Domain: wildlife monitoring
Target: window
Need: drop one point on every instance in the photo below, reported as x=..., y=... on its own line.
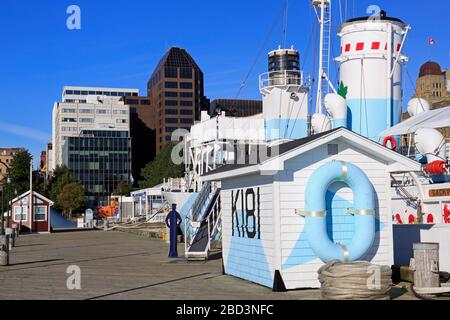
x=69, y=110
x=69, y=120
x=170, y=94
x=87, y=120
x=171, y=111
x=171, y=72
x=186, y=94
x=69, y=129
x=120, y=111
x=185, y=85
x=171, y=85
x=186, y=103
x=77, y=92
x=121, y=121
x=40, y=213
x=171, y=129
x=69, y=91
x=103, y=111
x=186, y=120
x=147, y=102
x=171, y=120
x=84, y=93
x=171, y=103
x=87, y=111
x=132, y=101
x=186, y=73
x=20, y=213
x=186, y=112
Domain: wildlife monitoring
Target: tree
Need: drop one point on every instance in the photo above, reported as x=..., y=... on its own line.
x=61, y=177
x=19, y=173
x=123, y=189
x=161, y=167
x=71, y=198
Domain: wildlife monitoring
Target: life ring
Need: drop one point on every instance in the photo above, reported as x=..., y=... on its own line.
x=392, y=141
x=316, y=212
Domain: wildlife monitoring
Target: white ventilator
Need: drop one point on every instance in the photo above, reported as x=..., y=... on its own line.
x=417, y=106
x=337, y=109
x=430, y=143
x=320, y=123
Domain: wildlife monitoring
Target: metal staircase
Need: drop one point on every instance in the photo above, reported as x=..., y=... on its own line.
x=203, y=224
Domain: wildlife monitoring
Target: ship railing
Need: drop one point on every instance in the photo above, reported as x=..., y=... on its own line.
x=281, y=78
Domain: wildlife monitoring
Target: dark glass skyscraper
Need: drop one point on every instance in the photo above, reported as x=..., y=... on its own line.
x=99, y=159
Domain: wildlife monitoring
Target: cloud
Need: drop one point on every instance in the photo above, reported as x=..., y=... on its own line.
x=24, y=132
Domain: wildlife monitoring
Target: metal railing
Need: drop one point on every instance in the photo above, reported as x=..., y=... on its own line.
x=281, y=79
x=199, y=203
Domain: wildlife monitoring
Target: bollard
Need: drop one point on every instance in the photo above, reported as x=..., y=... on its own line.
x=9, y=232
x=17, y=229
x=426, y=265
x=4, y=250
x=105, y=225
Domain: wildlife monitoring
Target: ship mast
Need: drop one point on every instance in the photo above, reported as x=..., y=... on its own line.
x=323, y=13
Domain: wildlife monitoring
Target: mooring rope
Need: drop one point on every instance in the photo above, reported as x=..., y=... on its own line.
x=359, y=280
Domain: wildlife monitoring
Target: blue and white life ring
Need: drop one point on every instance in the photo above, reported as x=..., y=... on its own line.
x=315, y=212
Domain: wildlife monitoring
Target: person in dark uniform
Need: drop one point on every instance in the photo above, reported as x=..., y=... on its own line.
x=173, y=220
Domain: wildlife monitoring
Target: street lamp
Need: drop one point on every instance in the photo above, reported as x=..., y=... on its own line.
x=2, y=230
x=8, y=196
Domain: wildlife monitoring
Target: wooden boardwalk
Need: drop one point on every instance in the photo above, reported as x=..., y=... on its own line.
x=116, y=265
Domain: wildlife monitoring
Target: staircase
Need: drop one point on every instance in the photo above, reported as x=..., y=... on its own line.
x=203, y=224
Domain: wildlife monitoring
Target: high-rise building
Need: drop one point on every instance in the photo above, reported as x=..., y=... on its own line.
x=235, y=107
x=87, y=108
x=6, y=157
x=99, y=159
x=143, y=133
x=176, y=93
x=91, y=135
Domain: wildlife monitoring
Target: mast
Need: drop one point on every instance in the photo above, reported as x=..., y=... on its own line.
x=324, y=19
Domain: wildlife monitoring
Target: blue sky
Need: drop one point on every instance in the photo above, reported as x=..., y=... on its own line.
x=120, y=43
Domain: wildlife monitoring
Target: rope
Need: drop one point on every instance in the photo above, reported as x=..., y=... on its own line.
x=354, y=281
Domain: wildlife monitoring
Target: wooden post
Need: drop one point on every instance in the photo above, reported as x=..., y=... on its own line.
x=426, y=261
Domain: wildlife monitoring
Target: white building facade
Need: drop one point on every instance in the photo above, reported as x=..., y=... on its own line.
x=87, y=108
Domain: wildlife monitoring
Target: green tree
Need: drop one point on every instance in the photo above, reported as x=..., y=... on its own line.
x=71, y=198
x=161, y=167
x=19, y=175
x=123, y=189
x=60, y=178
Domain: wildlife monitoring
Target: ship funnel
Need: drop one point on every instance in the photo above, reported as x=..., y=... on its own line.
x=320, y=123
x=418, y=105
x=430, y=143
x=337, y=108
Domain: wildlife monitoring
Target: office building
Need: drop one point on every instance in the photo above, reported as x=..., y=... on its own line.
x=235, y=107
x=143, y=133
x=176, y=93
x=91, y=135
x=99, y=159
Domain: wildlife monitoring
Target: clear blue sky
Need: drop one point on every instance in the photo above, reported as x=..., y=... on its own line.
x=120, y=43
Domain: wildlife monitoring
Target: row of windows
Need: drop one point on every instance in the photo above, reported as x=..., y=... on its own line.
x=90, y=120
x=91, y=111
x=182, y=120
x=172, y=72
x=135, y=101
x=102, y=93
x=437, y=85
x=174, y=103
x=174, y=85
x=172, y=94
x=184, y=112
x=74, y=101
x=21, y=213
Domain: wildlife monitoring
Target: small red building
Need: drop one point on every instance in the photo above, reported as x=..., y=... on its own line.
x=35, y=218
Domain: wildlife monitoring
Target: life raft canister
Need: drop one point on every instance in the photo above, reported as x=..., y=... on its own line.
x=316, y=212
x=392, y=141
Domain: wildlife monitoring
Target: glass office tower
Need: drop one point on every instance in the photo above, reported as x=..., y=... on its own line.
x=99, y=159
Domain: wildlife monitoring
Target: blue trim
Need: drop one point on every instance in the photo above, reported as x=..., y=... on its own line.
x=369, y=117
x=286, y=129
x=316, y=227
x=339, y=123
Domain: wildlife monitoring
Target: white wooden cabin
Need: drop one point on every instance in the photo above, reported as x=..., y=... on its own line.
x=262, y=236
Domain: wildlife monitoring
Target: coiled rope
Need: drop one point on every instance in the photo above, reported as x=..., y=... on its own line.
x=359, y=280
